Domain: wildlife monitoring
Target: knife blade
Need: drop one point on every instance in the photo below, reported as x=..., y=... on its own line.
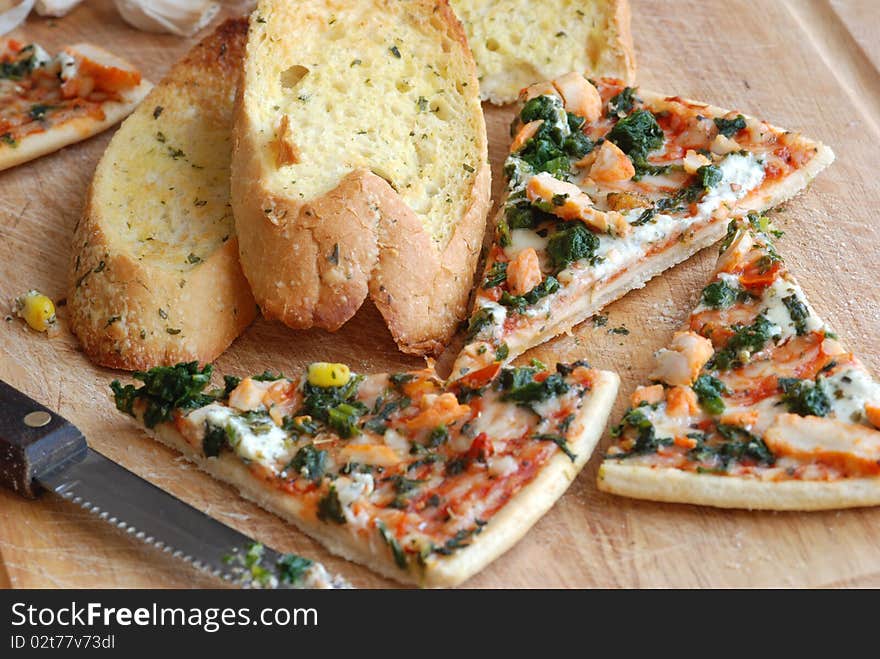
x=41, y=450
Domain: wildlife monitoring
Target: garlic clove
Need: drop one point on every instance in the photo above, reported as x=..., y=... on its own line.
x=181, y=17
x=13, y=13
x=55, y=7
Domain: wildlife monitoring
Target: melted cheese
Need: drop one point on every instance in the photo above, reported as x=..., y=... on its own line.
x=849, y=390
x=777, y=313
x=521, y=239
x=740, y=175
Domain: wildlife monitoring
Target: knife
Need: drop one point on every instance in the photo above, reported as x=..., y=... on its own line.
x=41, y=450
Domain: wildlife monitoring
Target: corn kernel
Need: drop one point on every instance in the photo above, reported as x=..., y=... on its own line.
x=37, y=310
x=325, y=374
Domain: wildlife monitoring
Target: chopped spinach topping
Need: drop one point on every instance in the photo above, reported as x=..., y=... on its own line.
x=460, y=539
x=481, y=319
x=309, y=462
x=637, y=135
x=804, y=397
x=268, y=376
x=299, y=425
x=438, y=436
x=746, y=341
x=570, y=243
x=519, y=302
x=214, y=440
x=709, y=390
x=740, y=444
x=577, y=145
x=646, y=440
x=729, y=127
x=560, y=441
x=719, y=295
x=292, y=568
x=496, y=275
x=621, y=104
x=393, y=544
x=230, y=382
x=798, y=312
x=335, y=406
x=165, y=389
x=519, y=385
x=541, y=107
x=38, y=111
x=329, y=507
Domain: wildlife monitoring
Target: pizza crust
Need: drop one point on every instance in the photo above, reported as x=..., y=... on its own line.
x=677, y=486
x=76, y=130
x=503, y=530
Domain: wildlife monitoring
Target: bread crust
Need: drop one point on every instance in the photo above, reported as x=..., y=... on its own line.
x=677, y=486
x=503, y=531
x=78, y=129
x=312, y=263
x=131, y=313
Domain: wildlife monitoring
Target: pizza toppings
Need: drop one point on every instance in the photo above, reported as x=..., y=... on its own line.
x=40, y=92
x=758, y=387
x=421, y=464
x=594, y=194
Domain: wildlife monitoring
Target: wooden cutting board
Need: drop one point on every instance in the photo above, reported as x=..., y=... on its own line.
x=808, y=65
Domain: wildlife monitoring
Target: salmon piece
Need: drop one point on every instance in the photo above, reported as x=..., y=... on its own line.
x=872, y=411
x=685, y=442
x=626, y=201
x=681, y=401
x=378, y=455
x=579, y=96
x=692, y=161
x=744, y=419
x=611, y=164
x=854, y=449
x=651, y=395
x=680, y=364
x=568, y=202
x=525, y=133
x=524, y=272
x=538, y=89
x=92, y=76
x=444, y=410
x=248, y=395
x=722, y=145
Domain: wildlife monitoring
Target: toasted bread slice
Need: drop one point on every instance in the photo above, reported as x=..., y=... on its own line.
x=360, y=165
x=519, y=42
x=67, y=99
x=154, y=277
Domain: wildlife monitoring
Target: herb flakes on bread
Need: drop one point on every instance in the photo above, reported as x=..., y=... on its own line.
x=154, y=277
x=519, y=42
x=360, y=165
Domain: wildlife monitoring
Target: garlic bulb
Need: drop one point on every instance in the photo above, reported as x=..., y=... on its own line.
x=55, y=7
x=181, y=17
x=13, y=13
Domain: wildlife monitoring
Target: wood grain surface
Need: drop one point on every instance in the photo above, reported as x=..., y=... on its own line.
x=808, y=65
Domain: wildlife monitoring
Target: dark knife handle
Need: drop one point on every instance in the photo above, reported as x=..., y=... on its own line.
x=34, y=441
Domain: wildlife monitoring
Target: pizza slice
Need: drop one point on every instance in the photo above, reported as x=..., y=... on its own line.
x=424, y=482
x=756, y=403
x=47, y=103
x=607, y=187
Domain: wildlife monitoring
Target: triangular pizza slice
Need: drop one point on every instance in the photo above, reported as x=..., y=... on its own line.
x=423, y=481
x=607, y=187
x=756, y=404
